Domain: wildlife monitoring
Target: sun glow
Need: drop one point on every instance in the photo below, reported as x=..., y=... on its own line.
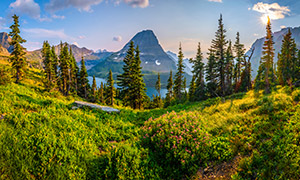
x=264, y=19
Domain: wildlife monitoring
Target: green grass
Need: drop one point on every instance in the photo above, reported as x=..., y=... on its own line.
x=41, y=137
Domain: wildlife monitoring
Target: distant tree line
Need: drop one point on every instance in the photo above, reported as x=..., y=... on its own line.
x=228, y=71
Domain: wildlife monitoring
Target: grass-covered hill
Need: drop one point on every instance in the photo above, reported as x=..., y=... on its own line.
x=245, y=136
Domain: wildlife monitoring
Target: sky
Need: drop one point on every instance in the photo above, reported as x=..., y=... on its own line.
x=110, y=24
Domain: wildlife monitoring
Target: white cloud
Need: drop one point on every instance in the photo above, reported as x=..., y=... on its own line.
x=138, y=3
x=117, y=38
x=81, y=5
x=28, y=7
x=274, y=11
x=46, y=33
x=215, y=1
x=2, y=22
x=255, y=34
x=81, y=37
x=58, y=17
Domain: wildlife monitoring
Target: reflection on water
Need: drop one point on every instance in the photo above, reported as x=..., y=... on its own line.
x=150, y=90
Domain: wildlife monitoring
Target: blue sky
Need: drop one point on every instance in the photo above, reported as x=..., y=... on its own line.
x=109, y=24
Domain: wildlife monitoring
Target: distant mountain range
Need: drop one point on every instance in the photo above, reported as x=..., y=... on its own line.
x=277, y=38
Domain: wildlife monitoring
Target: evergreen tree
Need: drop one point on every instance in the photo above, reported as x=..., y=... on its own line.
x=48, y=62
x=124, y=80
x=211, y=74
x=178, y=83
x=198, y=73
x=17, y=56
x=101, y=94
x=55, y=65
x=286, y=60
x=229, y=70
x=170, y=94
x=131, y=82
x=266, y=75
x=239, y=53
x=64, y=65
x=94, y=88
x=138, y=85
x=110, y=89
x=158, y=85
x=192, y=89
x=219, y=47
x=84, y=86
x=74, y=73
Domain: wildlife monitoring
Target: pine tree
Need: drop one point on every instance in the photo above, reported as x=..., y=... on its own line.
x=64, y=64
x=239, y=53
x=55, y=65
x=138, y=85
x=17, y=57
x=158, y=85
x=110, y=89
x=101, y=94
x=48, y=66
x=124, y=79
x=229, y=70
x=94, y=88
x=192, y=89
x=286, y=59
x=211, y=74
x=178, y=83
x=84, y=86
x=169, y=95
x=219, y=47
x=74, y=73
x=198, y=72
x=266, y=74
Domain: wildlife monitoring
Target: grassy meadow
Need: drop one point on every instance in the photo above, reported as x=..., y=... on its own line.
x=42, y=137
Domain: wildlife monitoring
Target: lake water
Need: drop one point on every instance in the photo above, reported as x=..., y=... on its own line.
x=150, y=90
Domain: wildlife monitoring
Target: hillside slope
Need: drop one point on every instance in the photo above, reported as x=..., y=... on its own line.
x=41, y=137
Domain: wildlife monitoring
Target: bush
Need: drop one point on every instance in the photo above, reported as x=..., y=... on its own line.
x=4, y=75
x=181, y=143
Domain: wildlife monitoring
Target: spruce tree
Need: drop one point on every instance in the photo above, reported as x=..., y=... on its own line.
x=64, y=65
x=17, y=56
x=178, y=83
x=266, y=75
x=94, y=88
x=229, y=70
x=110, y=89
x=286, y=60
x=170, y=94
x=192, y=89
x=211, y=74
x=124, y=79
x=48, y=66
x=219, y=47
x=198, y=73
x=55, y=65
x=84, y=86
x=158, y=85
x=101, y=94
x=239, y=54
x=74, y=73
x=138, y=86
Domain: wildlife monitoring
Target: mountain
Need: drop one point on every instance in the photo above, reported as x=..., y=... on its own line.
x=91, y=58
x=277, y=38
x=4, y=41
x=153, y=57
x=188, y=66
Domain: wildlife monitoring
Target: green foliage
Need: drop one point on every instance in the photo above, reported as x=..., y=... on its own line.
x=178, y=83
x=5, y=75
x=181, y=143
x=17, y=57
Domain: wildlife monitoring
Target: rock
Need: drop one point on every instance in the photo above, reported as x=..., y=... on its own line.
x=79, y=104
